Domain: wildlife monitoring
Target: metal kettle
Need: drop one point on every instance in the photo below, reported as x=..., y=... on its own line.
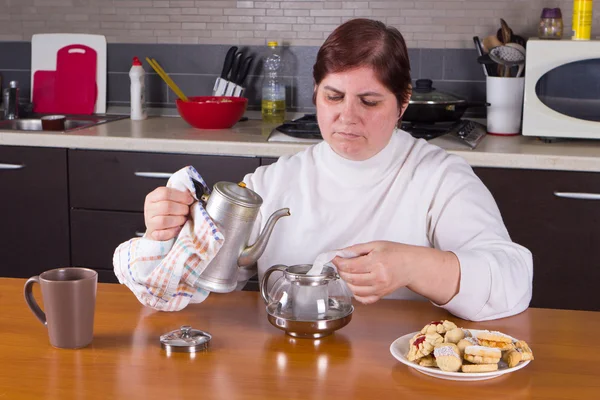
x=234, y=208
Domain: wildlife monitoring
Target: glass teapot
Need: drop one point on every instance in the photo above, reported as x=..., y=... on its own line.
x=296, y=296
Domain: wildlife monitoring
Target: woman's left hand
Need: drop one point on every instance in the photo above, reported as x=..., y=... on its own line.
x=382, y=267
x=379, y=269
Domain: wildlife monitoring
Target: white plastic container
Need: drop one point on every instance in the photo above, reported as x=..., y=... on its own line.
x=138, y=89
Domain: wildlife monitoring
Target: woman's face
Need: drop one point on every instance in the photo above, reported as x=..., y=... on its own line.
x=356, y=113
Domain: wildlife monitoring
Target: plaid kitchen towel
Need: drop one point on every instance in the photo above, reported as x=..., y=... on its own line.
x=162, y=274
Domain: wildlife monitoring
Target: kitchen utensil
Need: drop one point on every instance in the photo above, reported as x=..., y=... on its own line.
x=479, y=48
x=53, y=122
x=75, y=90
x=233, y=208
x=505, y=33
x=44, y=49
x=246, y=64
x=221, y=82
x=430, y=105
x=232, y=88
x=307, y=306
x=523, y=51
x=490, y=42
x=44, y=91
x=185, y=340
x=235, y=67
x=212, y=112
x=161, y=72
x=508, y=57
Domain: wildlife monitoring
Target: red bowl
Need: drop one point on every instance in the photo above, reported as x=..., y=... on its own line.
x=212, y=112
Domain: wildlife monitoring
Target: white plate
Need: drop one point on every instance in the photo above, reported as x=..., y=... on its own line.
x=399, y=349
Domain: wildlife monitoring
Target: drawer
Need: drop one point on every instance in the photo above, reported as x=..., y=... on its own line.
x=34, y=230
x=96, y=234
x=106, y=276
x=120, y=181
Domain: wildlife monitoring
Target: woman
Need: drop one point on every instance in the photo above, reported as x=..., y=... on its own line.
x=420, y=221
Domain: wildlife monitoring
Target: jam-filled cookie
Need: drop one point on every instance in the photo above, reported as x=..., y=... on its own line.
x=422, y=345
x=440, y=327
x=497, y=340
x=447, y=357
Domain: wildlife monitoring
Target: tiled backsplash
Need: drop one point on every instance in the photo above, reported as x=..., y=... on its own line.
x=424, y=23
x=195, y=67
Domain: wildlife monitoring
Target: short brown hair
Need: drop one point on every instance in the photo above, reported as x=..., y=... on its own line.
x=366, y=42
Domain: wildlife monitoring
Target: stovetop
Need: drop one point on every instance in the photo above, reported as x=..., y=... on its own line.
x=306, y=129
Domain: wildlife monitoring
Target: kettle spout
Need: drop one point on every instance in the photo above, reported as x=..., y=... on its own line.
x=252, y=253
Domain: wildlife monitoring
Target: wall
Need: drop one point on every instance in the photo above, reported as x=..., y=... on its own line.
x=190, y=38
x=425, y=24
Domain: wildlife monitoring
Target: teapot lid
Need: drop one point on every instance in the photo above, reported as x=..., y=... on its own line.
x=186, y=339
x=239, y=194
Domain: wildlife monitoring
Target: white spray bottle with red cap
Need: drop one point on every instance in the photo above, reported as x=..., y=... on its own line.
x=138, y=88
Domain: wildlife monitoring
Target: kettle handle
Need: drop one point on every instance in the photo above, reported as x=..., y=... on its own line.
x=265, y=279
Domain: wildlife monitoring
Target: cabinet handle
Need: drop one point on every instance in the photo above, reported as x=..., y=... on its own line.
x=579, y=196
x=139, y=234
x=155, y=175
x=11, y=166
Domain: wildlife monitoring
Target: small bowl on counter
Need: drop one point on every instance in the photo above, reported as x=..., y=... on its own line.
x=212, y=112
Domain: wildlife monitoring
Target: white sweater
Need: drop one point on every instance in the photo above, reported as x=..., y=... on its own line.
x=411, y=192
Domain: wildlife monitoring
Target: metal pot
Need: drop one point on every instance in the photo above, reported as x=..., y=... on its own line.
x=430, y=105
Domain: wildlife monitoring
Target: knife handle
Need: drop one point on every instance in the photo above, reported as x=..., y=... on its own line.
x=244, y=70
x=228, y=61
x=235, y=68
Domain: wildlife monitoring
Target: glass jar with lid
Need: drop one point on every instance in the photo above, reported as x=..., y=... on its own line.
x=551, y=24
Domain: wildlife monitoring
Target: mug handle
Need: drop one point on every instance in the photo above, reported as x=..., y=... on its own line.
x=265, y=279
x=30, y=300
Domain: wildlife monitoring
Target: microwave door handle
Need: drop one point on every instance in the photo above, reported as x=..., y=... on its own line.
x=578, y=195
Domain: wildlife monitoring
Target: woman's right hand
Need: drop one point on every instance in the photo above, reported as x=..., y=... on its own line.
x=165, y=212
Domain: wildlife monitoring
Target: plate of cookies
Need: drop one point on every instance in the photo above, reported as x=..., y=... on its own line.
x=443, y=350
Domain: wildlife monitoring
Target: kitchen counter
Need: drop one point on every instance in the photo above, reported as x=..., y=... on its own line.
x=249, y=138
x=250, y=359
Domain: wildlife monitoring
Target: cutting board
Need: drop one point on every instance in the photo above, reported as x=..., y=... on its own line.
x=44, y=57
x=76, y=79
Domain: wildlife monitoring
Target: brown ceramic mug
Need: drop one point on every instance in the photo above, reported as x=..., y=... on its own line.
x=69, y=301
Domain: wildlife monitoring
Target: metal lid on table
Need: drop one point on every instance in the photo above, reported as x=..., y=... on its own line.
x=186, y=340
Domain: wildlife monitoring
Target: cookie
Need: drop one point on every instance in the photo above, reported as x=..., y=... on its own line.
x=464, y=343
x=427, y=361
x=454, y=336
x=495, y=339
x=479, y=367
x=447, y=357
x=522, y=347
x=512, y=358
x=482, y=355
x=440, y=327
x=422, y=345
x=481, y=359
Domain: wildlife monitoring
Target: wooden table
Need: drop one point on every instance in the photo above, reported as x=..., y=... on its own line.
x=250, y=359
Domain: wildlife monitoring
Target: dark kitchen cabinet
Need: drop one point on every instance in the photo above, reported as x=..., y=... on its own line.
x=108, y=189
x=120, y=181
x=562, y=233
x=34, y=233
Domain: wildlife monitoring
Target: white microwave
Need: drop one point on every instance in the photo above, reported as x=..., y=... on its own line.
x=562, y=89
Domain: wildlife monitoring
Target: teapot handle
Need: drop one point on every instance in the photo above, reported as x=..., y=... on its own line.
x=265, y=279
